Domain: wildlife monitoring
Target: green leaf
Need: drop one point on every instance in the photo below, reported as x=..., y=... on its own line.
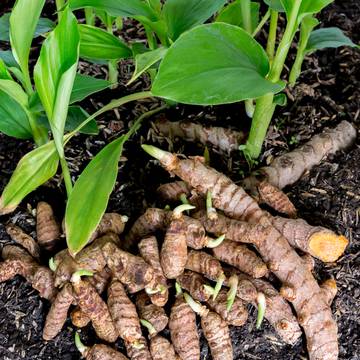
x=155, y=4
x=33, y=170
x=96, y=43
x=8, y=58
x=13, y=119
x=4, y=73
x=85, y=86
x=76, y=116
x=14, y=90
x=280, y=99
x=145, y=60
x=23, y=20
x=214, y=64
x=231, y=14
x=331, y=37
x=43, y=26
x=307, y=7
x=275, y=5
x=125, y=8
x=181, y=15
x=89, y=198
x=55, y=72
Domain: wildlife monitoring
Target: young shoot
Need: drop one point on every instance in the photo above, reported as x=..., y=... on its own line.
x=184, y=199
x=210, y=210
x=52, y=264
x=233, y=283
x=196, y=306
x=178, y=211
x=79, y=345
x=209, y=289
x=152, y=331
x=76, y=277
x=206, y=156
x=261, y=302
x=160, y=289
x=178, y=289
x=218, y=286
x=213, y=243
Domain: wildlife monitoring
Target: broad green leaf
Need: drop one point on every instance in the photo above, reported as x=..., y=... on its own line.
x=181, y=15
x=76, y=116
x=275, y=5
x=307, y=7
x=55, y=72
x=155, y=4
x=43, y=26
x=13, y=118
x=88, y=200
x=214, y=64
x=14, y=90
x=145, y=60
x=125, y=8
x=33, y=170
x=96, y=43
x=231, y=14
x=328, y=38
x=4, y=73
x=85, y=86
x=8, y=58
x=23, y=20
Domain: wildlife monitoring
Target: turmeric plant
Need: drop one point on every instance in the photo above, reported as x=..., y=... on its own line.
x=162, y=349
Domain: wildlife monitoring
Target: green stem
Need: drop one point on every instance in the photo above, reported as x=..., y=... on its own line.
x=89, y=16
x=151, y=39
x=261, y=304
x=261, y=23
x=67, y=176
x=40, y=134
x=79, y=345
x=246, y=15
x=233, y=283
x=59, y=5
x=264, y=109
x=270, y=46
x=218, y=285
x=113, y=73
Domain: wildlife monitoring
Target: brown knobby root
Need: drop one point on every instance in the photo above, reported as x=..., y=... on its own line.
x=149, y=251
x=78, y=318
x=138, y=351
x=148, y=223
x=278, y=312
x=123, y=313
x=110, y=223
x=183, y=330
x=329, y=289
x=308, y=261
x=238, y=314
x=154, y=315
x=57, y=314
x=100, y=280
x=173, y=254
x=47, y=227
x=23, y=239
x=226, y=140
x=94, y=307
x=203, y=263
x=98, y=351
x=314, y=314
x=275, y=198
x=41, y=278
x=196, y=285
x=12, y=267
x=288, y=168
x=130, y=270
x=241, y=257
x=171, y=192
x=90, y=258
x=162, y=349
x=216, y=330
x=245, y=291
x=317, y=241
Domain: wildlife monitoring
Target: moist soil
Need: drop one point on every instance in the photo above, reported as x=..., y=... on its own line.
x=327, y=92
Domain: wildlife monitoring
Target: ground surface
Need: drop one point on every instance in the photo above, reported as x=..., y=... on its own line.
x=328, y=92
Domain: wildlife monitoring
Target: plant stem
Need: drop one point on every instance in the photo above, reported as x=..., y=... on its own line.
x=113, y=73
x=89, y=16
x=261, y=23
x=270, y=46
x=40, y=134
x=59, y=5
x=264, y=109
x=67, y=176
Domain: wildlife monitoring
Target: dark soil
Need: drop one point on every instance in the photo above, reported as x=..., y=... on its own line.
x=327, y=92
